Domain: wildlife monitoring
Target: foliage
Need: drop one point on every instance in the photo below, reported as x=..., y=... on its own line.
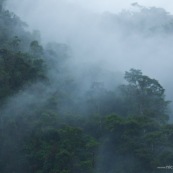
x=16, y=70
x=146, y=96
x=60, y=150
x=119, y=130
x=140, y=138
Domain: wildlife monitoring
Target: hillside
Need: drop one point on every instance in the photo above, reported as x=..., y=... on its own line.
x=50, y=124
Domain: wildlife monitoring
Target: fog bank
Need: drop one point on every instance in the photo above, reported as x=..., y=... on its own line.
x=138, y=37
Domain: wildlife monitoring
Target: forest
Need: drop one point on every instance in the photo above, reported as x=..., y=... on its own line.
x=49, y=126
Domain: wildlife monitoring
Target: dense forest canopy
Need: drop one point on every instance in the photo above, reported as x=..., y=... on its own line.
x=48, y=124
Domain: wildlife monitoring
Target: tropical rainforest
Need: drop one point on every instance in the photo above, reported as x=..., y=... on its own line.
x=54, y=127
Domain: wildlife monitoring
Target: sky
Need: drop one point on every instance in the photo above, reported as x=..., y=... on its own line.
x=100, y=5
x=117, y=5
x=37, y=12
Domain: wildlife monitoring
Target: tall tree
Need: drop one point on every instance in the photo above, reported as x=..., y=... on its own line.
x=145, y=96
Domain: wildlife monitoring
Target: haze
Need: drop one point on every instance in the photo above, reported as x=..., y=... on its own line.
x=97, y=5
x=98, y=33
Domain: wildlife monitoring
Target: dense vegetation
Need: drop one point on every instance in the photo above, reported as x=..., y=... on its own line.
x=118, y=131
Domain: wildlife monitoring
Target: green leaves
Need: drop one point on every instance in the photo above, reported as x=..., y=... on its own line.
x=58, y=150
x=144, y=96
x=143, y=83
x=74, y=131
x=17, y=70
x=141, y=137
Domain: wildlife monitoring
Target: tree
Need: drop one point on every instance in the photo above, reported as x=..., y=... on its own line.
x=145, y=96
x=35, y=49
x=67, y=149
x=17, y=70
x=141, y=139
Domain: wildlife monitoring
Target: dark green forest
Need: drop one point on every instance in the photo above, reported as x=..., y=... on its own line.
x=52, y=128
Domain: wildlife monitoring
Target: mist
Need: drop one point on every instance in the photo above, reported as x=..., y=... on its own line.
x=86, y=48
x=139, y=37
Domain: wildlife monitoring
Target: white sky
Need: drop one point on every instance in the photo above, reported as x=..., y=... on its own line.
x=117, y=5
x=100, y=5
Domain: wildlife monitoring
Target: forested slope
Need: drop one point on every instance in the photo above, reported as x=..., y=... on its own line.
x=123, y=130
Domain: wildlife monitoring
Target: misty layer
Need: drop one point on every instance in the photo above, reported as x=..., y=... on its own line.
x=140, y=38
x=66, y=107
